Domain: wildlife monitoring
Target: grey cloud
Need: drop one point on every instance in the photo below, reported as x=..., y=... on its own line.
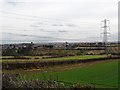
x=13, y=2
x=63, y=31
x=71, y=25
x=57, y=25
x=13, y=36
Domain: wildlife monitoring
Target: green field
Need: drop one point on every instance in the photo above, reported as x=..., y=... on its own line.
x=104, y=74
x=40, y=58
x=81, y=57
x=32, y=59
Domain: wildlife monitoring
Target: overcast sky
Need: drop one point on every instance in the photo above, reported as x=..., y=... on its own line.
x=57, y=20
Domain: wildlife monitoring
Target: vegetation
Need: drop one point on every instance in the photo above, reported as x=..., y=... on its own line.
x=41, y=52
x=47, y=58
x=102, y=75
x=15, y=81
x=81, y=57
x=40, y=62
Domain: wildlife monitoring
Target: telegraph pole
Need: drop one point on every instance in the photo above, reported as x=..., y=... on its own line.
x=105, y=33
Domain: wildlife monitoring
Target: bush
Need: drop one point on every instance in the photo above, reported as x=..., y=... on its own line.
x=15, y=81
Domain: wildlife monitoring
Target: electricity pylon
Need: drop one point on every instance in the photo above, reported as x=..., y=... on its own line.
x=105, y=35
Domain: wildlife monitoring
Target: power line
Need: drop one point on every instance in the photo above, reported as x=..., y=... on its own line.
x=36, y=36
x=31, y=29
x=23, y=18
x=45, y=22
x=17, y=28
x=36, y=17
x=41, y=19
x=37, y=29
x=33, y=16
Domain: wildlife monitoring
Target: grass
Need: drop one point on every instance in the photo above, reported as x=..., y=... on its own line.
x=82, y=57
x=103, y=74
x=32, y=58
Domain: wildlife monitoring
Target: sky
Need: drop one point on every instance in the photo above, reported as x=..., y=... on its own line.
x=57, y=20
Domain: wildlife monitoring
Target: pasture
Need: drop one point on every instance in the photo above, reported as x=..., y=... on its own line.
x=104, y=74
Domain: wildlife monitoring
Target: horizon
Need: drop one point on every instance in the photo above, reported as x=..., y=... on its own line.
x=52, y=42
